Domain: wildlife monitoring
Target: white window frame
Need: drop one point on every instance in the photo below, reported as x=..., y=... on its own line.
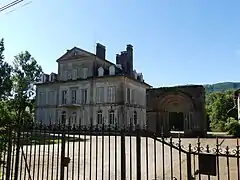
x=100, y=117
x=64, y=97
x=99, y=94
x=69, y=75
x=112, y=70
x=50, y=97
x=79, y=72
x=111, y=94
x=63, y=117
x=74, y=75
x=100, y=71
x=74, y=96
x=65, y=75
x=74, y=119
x=111, y=117
x=135, y=120
x=128, y=96
x=84, y=96
x=85, y=73
x=42, y=98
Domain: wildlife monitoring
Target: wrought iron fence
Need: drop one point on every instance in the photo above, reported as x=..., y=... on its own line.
x=79, y=152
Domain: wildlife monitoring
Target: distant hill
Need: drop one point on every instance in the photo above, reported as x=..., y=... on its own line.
x=221, y=86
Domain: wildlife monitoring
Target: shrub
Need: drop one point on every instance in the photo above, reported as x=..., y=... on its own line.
x=233, y=127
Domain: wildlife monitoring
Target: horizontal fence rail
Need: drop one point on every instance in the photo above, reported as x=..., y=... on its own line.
x=53, y=152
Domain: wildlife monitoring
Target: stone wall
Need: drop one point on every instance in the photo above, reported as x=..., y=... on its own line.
x=193, y=95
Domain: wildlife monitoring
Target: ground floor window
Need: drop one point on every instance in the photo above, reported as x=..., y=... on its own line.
x=99, y=117
x=135, y=117
x=63, y=117
x=111, y=117
x=74, y=119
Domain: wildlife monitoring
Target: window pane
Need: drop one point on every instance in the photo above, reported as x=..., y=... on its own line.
x=74, y=94
x=111, y=117
x=135, y=117
x=99, y=117
x=84, y=96
x=99, y=94
x=64, y=97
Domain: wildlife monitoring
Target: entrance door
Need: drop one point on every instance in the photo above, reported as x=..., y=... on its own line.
x=176, y=121
x=188, y=121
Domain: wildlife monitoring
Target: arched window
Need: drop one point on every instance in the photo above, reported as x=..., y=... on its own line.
x=99, y=117
x=63, y=117
x=135, y=117
x=111, y=117
x=112, y=70
x=100, y=71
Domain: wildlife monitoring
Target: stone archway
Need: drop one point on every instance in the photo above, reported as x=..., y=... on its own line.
x=175, y=111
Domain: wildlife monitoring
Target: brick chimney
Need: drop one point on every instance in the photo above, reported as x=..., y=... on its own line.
x=118, y=59
x=100, y=51
x=129, y=50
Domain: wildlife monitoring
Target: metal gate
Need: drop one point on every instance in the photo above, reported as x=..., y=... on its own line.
x=113, y=153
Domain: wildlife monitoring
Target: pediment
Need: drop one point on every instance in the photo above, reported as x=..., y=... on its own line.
x=74, y=53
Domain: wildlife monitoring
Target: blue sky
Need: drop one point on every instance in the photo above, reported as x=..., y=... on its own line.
x=175, y=42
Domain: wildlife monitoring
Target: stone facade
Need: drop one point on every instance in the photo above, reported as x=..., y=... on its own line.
x=89, y=89
x=236, y=97
x=182, y=105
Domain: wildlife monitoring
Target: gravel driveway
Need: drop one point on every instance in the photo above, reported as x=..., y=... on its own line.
x=84, y=160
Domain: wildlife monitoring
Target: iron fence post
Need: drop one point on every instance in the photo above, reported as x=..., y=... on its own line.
x=9, y=154
x=189, y=167
x=123, y=157
x=62, y=155
x=17, y=155
x=138, y=148
x=189, y=163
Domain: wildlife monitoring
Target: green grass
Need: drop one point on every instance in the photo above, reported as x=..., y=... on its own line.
x=41, y=139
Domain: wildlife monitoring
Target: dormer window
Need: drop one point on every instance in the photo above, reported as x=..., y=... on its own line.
x=100, y=71
x=112, y=70
x=75, y=53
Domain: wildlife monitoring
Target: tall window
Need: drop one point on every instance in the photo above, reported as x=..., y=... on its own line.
x=50, y=116
x=69, y=75
x=74, y=118
x=74, y=96
x=65, y=75
x=99, y=117
x=111, y=94
x=42, y=98
x=111, y=117
x=63, y=117
x=84, y=96
x=79, y=72
x=135, y=117
x=128, y=95
x=85, y=73
x=74, y=76
x=133, y=97
x=50, y=97
x=99, y=94
x=64, y=97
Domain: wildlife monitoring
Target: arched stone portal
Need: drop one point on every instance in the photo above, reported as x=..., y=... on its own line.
x=175, y=112
x=179, y=108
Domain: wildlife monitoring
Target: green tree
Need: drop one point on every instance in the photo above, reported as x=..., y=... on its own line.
x=26, y=71
x=218, y=105
x=5, y=74
x=233, y=127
